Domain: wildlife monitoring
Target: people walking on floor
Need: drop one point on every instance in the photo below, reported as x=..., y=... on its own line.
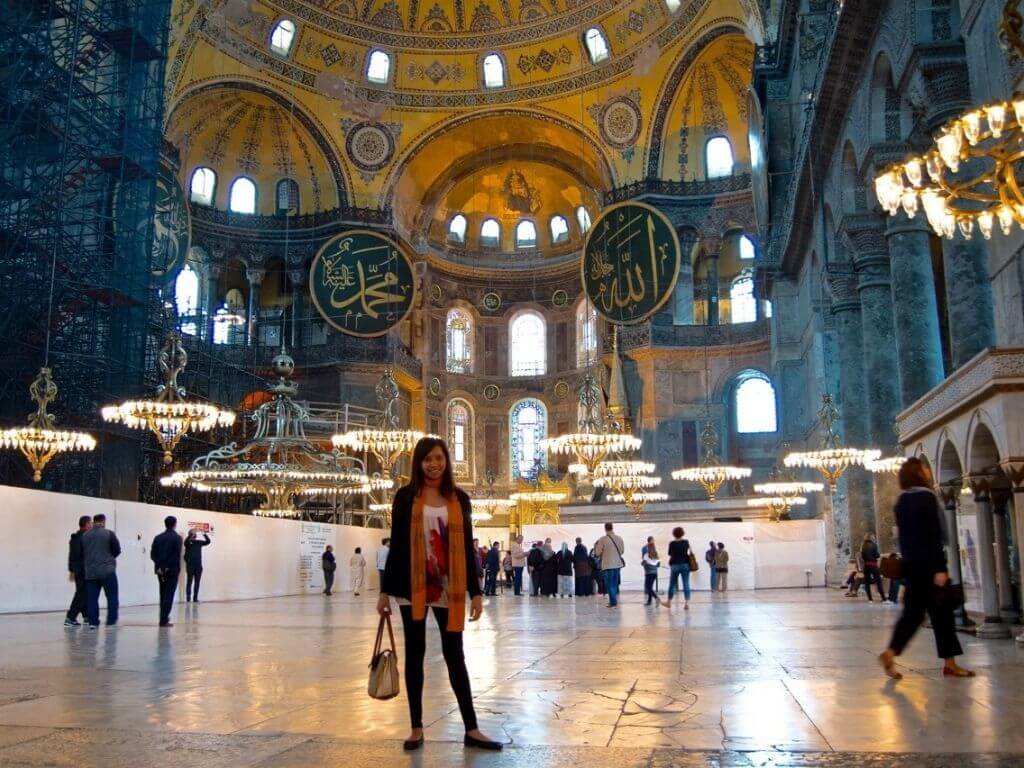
x=506, y=567
x=194, y=564
x=722, y=566
x=492, y=564
x=165, y=553
x=564, y=568
x=357, y=570
x=518, y=563
x=584, y=573
x=76, y=573
x=535, y=562
x=432, y=566
x=895, y=584
x=549, y=572
x=609, y=552
x=870, y=557
x=651, y=563
x=924, y=570
x=679, y=567
x=709, y=558
x=330, y=565
x=382, y=558
x=100, y=549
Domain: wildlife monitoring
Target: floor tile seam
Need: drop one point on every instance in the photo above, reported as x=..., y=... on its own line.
x=785, y=682
x=622, y=711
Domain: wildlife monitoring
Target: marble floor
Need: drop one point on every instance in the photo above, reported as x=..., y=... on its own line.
x=772, y=678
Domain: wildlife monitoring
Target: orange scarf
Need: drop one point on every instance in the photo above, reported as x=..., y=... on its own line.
x=456, y=565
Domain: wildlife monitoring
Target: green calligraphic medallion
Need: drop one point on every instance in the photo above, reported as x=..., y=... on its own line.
x=630, y=262
x=362, y=283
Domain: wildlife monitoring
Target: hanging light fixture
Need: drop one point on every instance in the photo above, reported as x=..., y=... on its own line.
x=831, y=460
x=41, y=441
x=711, y=474
x=629, y=483
x=887, y=464
x=169, y=416
x=783, y=485
x=487, y=506
x=778, y=506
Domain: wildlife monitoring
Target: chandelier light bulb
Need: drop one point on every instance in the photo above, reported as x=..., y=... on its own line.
x=1005, y=215
x=933, y=163
x=909, y=201
x=1018, y=110
x=949, y=144
x=913, y=171
x=996, y=114
x=971, y=123
x=985, y=221
x=966, y=227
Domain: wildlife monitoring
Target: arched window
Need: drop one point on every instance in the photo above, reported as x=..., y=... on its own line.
x=672, y=5
x=378, y=67
x=527, y=345
x=282, y=37
x=586, y=334
x=747, y=249
x=718, y=156
x=755, y=403
x=597, y=45
x=766, y=308
x=528, y=425
x=494, y=71
x=287, y=196
x=583, y=217
x=743, y=306
x=459, y=342
x=186, y=299
x=243, y=196
x=460, y=438
x=526, y=234
x=202, y=186
x=559, y=229
x=457, y=229
x=490, y=233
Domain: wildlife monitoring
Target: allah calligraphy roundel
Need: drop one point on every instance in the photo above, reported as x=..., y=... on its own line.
x=362, y=283
x=630, y=262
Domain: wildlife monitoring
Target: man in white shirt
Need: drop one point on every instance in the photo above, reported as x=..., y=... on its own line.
x=518, y=563
x=382, y=558
x=608, y=551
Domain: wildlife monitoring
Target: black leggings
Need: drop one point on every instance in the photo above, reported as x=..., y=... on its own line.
x=919, y=599
x=873, y=576
x=192, y=579
x=415, y=633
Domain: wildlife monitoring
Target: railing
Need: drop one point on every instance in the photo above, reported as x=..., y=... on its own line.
x=649, y=335
x=739, y=182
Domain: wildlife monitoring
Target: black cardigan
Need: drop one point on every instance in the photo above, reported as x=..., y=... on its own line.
x=397, y=576
x=921, y=533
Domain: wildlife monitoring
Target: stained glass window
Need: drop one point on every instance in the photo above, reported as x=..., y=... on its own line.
x=528, y=425
x=459, y=333
x=460, y=438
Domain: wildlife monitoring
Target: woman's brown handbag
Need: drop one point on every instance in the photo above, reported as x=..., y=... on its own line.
x=693, y=563
x=891, y=567
x=383, y=683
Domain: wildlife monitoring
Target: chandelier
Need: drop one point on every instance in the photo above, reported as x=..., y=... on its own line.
x=783, y=491
x=832, y=459
x=778, y=506
x=968, y=179
x=280, y=463
x=169, y=416
x=890, y=464
x=40, y=441
x=629, y=483
x=489, y=505
x=711, y=474
x=536, y=497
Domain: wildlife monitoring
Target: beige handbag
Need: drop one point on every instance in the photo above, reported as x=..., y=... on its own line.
x=383, y=683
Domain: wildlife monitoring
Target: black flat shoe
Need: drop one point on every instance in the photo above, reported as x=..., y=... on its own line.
x=472, y=741
x=411, y=745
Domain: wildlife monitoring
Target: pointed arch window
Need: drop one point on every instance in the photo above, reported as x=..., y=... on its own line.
x=528, y=425
x=202, y=186
x=287, y=196
x=494, y=71
x=755, y=404
x=186, y=299
x=457, y=229
x=490, y=233
x=460, y=438
x=526, y=234
x=719, y=157
x=527, y=345
x=243, y=196
x=282, y=37
x=378, y=67
x=597, y=45
x=586, y=334
x=559, y=229
x=583, y=219
x=743, y=305
x=459, y=342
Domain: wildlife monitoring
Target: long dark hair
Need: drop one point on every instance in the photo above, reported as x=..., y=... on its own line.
x=418, y=480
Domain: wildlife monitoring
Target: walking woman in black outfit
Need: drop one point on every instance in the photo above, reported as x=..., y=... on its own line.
x=872, y=575
x=431, y=564
x=924, y=571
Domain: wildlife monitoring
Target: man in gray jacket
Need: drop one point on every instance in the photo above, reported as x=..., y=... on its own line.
x=100, y=549
x=609, y=556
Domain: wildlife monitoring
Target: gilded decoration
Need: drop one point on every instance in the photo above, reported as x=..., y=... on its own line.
x=619, y=121
x=370, y=146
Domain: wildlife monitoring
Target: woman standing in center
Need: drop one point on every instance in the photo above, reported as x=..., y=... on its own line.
x=679, y=566
x=431, y=564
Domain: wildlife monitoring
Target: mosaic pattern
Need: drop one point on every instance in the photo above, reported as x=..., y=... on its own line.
x=544, y=60
x=436, y=72
x=436, y=20
x=484, y=19
x=714, y=116
x=370, y=146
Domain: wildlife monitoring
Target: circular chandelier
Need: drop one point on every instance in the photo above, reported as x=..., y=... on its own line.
x=778, y=506
x=832, y=459
x=537, y=497
x=40, y=441
x=629, y=483
x=636, y=501
x=711, y=474
x=169, y=416
x=890, y=464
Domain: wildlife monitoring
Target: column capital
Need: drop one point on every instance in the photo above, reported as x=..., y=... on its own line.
x=844, y=289
x=981, y=486
x=255, y=276
x=950, y=493
x=297, y=276
x=1014, y=469
x=901, y=224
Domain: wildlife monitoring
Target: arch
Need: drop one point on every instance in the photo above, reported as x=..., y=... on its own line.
x=282, y=37
x=460, y=422
x=851, y=191
x=528, y=425
x=490, y=233
x=457, y=228
x=526, y=234
x=888, y=111
x=583, y=219
x=493, y=72
x=242, y=196
x=458, y=341
x=719, y=160
x=950, y=466
x=203, y=186
x=742, y=303
x=596, y=43
x=527, y=344
x=983, y=452
x=287, y=197
x=754, y=403
x=379, y=66
x=747, y=248
x=559, y=228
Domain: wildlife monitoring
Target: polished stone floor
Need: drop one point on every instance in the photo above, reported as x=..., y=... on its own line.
x=772, y=678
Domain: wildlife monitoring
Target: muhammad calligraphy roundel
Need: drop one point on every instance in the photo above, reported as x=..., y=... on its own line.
x=362, y=283
x=630, y=262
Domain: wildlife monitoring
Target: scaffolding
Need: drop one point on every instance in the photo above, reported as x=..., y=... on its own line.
x=81, y=108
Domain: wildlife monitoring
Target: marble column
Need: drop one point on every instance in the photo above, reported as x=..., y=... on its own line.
x=853, y=396
x=211, y=299
x=255, y=278
x=712, y=283
x=992, y=626
x=951, y=501
x=1000, y=526
x=682, y=297
x=968, y=297
x=915, y=309
x=298, y=279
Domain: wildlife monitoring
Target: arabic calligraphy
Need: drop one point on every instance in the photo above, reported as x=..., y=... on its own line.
x=362, y=283
x=630, y=262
